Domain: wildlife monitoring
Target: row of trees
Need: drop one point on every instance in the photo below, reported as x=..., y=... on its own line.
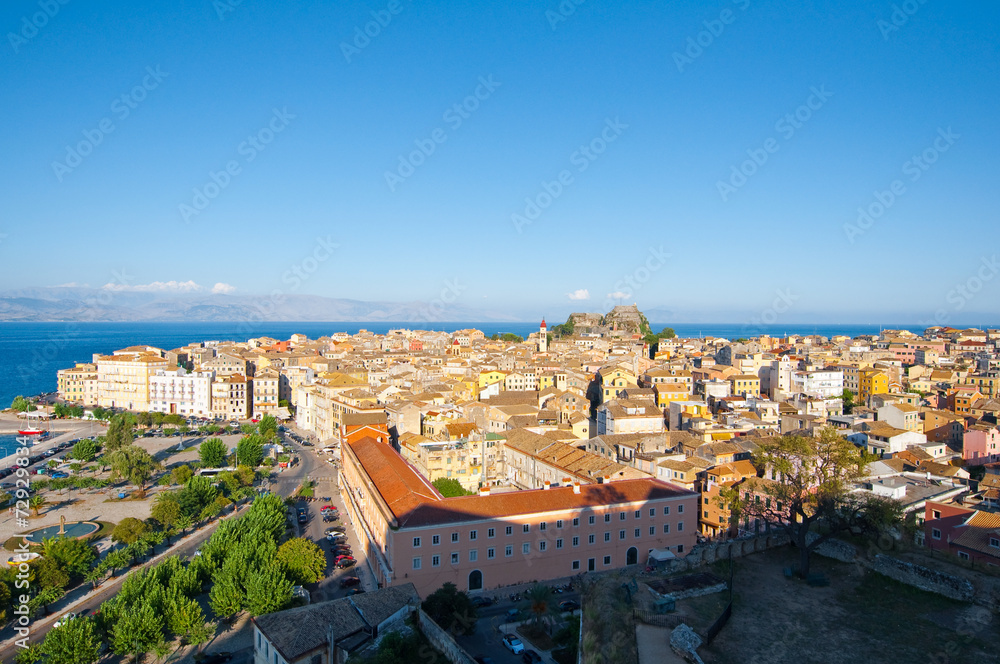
x=242, y=560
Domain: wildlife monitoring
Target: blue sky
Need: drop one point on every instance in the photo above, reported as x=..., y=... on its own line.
x=675, y=97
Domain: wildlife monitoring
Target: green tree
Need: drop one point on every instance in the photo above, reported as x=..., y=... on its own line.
x=115, y=560
x=198, y=493
x=48, y=574
x=181, y=474
x=226, y=597
x=848, y=398
x=166, y=509
x=137, y=631
x=185, y=619
x=21, y=405
x=450, y=487
x=268, y=590
x=75, y=556
x=30, y=655
x=213, y=453
x=134, y=464
x=250, y=450
x=812, y=491
x=129, y=530
x=268, y=427
x=36, y=501
x=305, y=562
x=75, y=642
x=119, y=433
x=451, y=609
x=540, y=604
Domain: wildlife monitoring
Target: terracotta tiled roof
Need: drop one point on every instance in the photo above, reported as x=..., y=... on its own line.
x=401, y=487
x=514, y=503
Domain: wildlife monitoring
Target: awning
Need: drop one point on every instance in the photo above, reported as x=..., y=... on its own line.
x=661, y=555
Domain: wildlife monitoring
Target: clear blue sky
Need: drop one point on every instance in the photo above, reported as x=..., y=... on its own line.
x=886, y=94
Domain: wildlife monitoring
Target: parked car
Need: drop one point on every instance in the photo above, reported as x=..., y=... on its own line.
x=65, y=619
x=337, y=530
x=58, y=475
x=349, y=582
x=568, y=605
x=303, y=515
x=530, y=657
x=344, y=556
x=356, y=591
x=347, y=562
x=216, y=658
x=483, y=659
x=513, y=644
x=479, y=601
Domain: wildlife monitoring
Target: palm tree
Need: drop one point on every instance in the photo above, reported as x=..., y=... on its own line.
x=36, y=502
x=540, y=604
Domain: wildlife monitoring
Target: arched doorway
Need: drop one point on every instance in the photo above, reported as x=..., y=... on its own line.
x=632, y=556
x=475, y=580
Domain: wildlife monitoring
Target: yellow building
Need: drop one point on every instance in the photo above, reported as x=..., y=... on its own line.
x=667, y=392
x=745, y=385
x=490, y=377
x=871, y=382
x=79, y=384
x=123, y=380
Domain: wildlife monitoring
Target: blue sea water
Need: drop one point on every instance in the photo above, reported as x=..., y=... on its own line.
x=31, y=353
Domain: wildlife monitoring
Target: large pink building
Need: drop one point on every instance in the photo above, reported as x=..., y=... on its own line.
x=981, y=444
x=413, y=535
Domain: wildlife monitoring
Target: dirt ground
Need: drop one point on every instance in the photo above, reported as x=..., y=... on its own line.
x=860, y=614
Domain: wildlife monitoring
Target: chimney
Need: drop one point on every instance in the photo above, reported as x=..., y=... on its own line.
x=484, y=490
x=576, y=487
x=548, y=485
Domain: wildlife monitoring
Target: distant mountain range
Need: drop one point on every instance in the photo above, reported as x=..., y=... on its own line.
x=72, y=303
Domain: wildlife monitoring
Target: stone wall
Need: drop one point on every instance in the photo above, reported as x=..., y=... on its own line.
x=443, y=641
x=923, y=578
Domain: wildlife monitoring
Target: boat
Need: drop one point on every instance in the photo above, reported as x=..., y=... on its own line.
x=38, y=434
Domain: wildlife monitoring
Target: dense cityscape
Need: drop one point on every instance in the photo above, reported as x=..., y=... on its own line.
x=495, y=474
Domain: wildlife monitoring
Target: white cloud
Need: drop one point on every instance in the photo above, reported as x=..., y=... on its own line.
x=580, y=294
x=618, y=295
x=222, y=288
x=156, y=287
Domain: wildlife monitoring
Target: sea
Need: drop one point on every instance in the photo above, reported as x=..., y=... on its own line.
x=31, y=353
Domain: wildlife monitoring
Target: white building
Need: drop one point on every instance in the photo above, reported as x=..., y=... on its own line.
x=820, y=383
x=177, y=391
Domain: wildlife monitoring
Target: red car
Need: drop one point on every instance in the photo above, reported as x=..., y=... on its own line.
x=343, y=557
x=327, y=508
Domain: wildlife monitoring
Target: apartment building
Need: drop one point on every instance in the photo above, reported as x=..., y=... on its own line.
x=413, y=535
x=232, y=396
x=174, y=390
x=123, y=379
x=79, y=384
